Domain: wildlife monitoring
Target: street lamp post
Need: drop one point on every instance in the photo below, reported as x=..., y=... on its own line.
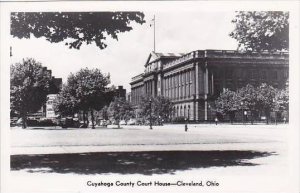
x=150, y=102
x=118, y=105
x=242, y=112
x=209, y=113
x=275, y=113
x=159, y=120
x=187, y=120
x=245, y=114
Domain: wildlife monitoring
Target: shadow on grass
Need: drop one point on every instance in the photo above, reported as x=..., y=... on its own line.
x=69, y=128
x=146, y=163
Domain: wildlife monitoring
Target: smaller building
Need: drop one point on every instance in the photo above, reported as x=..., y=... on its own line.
x=50, y=113
x=120, y=92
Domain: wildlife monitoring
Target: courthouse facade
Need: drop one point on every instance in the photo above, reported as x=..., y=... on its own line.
x=194, y=80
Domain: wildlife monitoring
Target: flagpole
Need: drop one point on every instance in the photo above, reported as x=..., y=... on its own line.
x=154, y=32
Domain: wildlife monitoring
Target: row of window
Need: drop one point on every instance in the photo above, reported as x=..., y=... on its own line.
x=182, y=111
x=185, y=91
x=136, y=94
x=178, y=85
x=230, y=73
x=182, y=78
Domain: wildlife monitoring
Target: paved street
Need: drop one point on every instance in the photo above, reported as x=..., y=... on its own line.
x=141, y=138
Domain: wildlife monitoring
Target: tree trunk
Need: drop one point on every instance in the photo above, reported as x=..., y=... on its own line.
x=87, y=118
x=93, y=119
x=24, y=121
x=267, y=116
x=83, y=116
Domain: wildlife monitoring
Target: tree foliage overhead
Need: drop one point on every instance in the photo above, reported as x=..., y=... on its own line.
x=73, y=28
x=29, y=86
x=261, y=30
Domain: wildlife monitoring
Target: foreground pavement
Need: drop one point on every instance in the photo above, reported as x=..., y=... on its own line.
x=237, y=157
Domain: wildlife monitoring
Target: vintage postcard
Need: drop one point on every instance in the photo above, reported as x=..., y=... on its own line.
x=150, y=96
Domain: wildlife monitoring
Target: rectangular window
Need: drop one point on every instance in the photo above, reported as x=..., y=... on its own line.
x=263, y=75
x=228, y=73
x=239, y=73
x=275, y=75
x=286, y=74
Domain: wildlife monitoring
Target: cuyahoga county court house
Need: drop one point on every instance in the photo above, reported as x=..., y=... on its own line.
x=194, y=80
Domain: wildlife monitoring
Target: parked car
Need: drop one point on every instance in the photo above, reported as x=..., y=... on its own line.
x=103, y=123
x=70, y=122
x=123, y=122
x=113, y=122
x=132, y=122
x=13, y=121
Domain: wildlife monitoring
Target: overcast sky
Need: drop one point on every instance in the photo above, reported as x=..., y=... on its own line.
x=179, y=32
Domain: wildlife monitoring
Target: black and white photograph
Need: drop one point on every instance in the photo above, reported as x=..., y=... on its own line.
x=150, y=96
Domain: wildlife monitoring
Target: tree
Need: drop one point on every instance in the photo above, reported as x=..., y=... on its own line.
x=261, y=30
x=120, y=109
x=85, y=91
x=282, y=100
x=266, y=99
x=104, y=112
x=29, y=86
x=228, y=103
x=248, y=97
x=65, y=103
x=161, y=108
x=73, y=28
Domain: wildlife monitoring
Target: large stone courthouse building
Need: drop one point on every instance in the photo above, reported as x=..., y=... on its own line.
x=194, y=80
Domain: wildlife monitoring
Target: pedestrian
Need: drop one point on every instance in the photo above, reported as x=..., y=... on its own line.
x=186, y=127
x=284, y=120
x=216, y=120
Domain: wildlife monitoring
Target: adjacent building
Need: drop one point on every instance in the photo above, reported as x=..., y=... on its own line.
x=194, y=80
x=47, y=110
x=50, y=112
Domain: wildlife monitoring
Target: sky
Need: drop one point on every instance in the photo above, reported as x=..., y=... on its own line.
x=176, y=32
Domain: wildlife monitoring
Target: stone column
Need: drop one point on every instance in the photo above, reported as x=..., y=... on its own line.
x=177, y=95
x=196, y=90
x=185, y=84
x=196, y=80
x=179, y=84
x=153, y=88
x=212, y=84
x=206, y=92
